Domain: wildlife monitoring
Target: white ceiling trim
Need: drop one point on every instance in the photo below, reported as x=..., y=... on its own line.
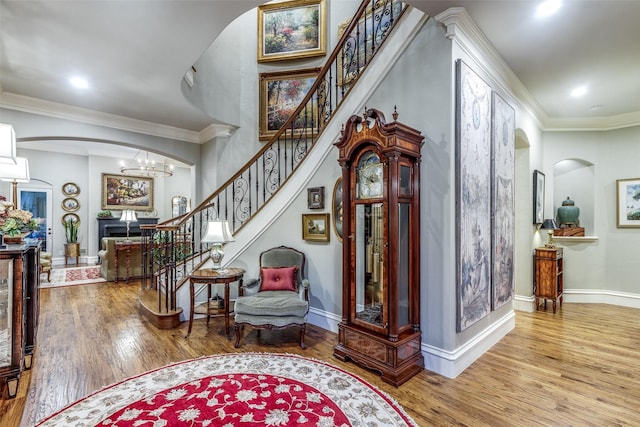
x=27, y=104
x=461, y=27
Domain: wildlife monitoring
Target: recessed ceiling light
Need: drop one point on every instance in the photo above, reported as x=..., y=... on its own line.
x=579, y=91
x=548, y=7
x=79, y=82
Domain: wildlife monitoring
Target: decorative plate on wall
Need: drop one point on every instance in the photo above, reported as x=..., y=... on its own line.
x=70, y=204
x=73, y=217
x=70, y=189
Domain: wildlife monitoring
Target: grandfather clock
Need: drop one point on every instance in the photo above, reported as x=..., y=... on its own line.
x=380, y=327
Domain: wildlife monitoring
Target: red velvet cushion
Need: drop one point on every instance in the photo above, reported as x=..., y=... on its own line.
x=278, y=279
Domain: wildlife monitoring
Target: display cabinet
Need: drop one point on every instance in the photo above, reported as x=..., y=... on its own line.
x=12, y=318
x=31, y=281
x=380, y=327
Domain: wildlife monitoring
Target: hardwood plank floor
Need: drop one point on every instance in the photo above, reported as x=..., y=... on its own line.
x=578, y=367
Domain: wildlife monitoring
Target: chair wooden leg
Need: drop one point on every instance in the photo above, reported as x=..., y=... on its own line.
x=303, y=328
x=238, y=329
x=49, y=276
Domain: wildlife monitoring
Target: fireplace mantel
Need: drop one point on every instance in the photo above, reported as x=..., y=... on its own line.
x=113, y=227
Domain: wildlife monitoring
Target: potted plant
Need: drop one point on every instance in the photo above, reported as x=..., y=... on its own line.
x=72, y=247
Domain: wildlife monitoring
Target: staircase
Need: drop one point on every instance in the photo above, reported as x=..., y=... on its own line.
x=176, y=246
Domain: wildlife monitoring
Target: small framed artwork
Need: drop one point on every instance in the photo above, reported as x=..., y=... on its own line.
x=337, y=208
x=315, y=198
x=315, y=227
x=127, y=192
x=291, y=30
x=628, y=203
x=538, y=197
x=280, y=94
x=70, y=189
x=70, y=204
x=70, y=216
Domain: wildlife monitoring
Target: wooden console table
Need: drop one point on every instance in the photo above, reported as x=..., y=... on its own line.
x=124, y=246
x=208, y=277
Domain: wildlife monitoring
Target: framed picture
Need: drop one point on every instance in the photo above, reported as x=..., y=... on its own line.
x=503, y=139
x=280, y=95
x=127, y=192
x=70, y=216
x=315, y=227
x=70, y=189
x=315, y=198
x=628, y=202
x=337, y=208
x=538, y=197
x=70, y=204
x=473, y=197
x=291, y=30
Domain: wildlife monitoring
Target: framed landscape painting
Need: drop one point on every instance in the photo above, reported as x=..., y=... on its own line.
x=315, y=227
x=127, y=192
x=628, y=203
x=280, y=95
x=291, y=30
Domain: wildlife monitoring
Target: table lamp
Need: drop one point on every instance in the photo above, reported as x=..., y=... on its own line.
x=549, y=224
x=7, y=144
x=218, y=233
x=128, y=216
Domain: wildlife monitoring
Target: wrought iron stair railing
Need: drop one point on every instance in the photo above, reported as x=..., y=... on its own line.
x=176, y=246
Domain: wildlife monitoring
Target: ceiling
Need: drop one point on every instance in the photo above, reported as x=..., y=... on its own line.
x=135, y=53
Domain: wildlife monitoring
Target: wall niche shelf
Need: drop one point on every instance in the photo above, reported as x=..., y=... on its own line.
x=579, y=239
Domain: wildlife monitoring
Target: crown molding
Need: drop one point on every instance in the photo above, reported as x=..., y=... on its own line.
x=215, y=130
x=27, y=104
x=461, y=28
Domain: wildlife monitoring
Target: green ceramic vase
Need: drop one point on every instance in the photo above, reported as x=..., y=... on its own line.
x=568, y=213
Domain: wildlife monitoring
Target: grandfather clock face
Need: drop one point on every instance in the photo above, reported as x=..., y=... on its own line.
x=370, y=176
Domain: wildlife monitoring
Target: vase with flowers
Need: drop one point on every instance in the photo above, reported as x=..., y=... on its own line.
x=15, y=223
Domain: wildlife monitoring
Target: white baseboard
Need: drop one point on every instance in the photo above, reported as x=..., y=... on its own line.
x=596, y=296
x=447, y=363
x=585, y=296
x=451, y=363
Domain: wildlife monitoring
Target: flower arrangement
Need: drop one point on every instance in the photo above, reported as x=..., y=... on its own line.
x=14, y=221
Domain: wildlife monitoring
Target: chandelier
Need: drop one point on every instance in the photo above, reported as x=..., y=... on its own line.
x=146, y=167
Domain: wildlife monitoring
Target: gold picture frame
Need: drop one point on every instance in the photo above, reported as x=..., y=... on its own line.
x=628, y=203
x=336, y=204
x=127, y=192
x=291, y=30
x=280, y=95
x=315, y=227
x=70, y=204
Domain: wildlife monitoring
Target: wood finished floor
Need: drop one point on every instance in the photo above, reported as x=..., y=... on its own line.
x=578, y=367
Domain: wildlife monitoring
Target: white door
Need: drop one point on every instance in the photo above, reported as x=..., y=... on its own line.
x=36, y=198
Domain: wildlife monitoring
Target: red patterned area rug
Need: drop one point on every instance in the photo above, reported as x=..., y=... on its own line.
x=72, y=276
x=237, y=389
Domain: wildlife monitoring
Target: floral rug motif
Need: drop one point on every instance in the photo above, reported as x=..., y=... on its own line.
x=237, y=389
x=72, y=276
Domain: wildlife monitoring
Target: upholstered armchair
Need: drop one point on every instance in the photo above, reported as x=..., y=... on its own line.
x=279, y=298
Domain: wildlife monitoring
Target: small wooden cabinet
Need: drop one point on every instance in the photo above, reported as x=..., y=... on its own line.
x=548, y=276
x=380, y=327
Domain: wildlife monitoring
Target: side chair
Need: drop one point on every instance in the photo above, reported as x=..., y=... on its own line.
x=279, y=299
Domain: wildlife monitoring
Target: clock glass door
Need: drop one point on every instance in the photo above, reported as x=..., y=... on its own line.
x=370, y=275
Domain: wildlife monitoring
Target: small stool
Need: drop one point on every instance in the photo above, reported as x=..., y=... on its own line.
x=45, y=264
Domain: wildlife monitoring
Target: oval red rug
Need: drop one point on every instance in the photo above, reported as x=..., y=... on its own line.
x=237, y=389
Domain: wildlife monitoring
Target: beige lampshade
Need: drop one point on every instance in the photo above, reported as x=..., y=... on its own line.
x=7, y=144
x=15, y=173
x=218, y=232
x=128, y=216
